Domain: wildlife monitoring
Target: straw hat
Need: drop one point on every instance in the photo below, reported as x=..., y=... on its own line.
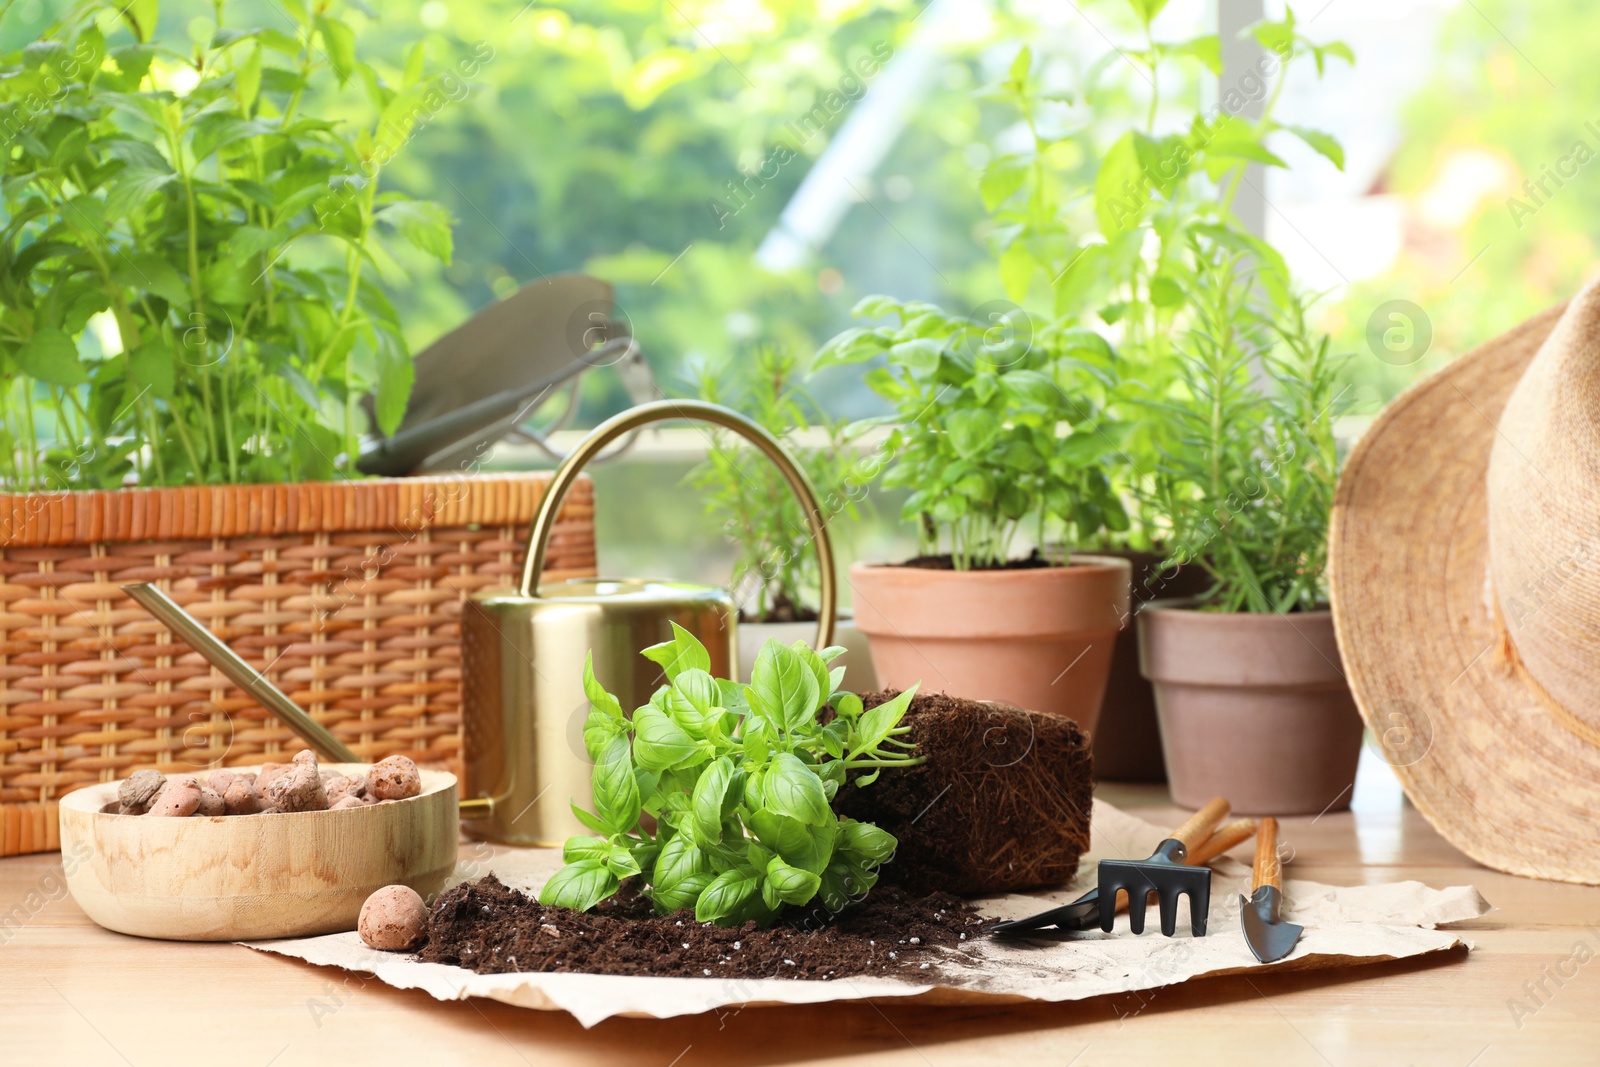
x=1465, y=575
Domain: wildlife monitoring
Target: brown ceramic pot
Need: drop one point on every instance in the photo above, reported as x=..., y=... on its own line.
x=1127, y=743
x=1039, y=638
x=1252, y=707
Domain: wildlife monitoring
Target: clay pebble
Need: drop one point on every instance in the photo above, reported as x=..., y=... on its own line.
x=393, y=919
x=299, y=787
x=395, y=778
x=179, y=797
x=211, y=802
x=139, y=790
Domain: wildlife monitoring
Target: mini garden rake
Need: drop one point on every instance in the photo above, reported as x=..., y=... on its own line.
x=1166, y=874
x=1084, y=913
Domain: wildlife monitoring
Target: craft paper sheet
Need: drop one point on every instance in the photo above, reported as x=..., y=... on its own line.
x=1344, y=926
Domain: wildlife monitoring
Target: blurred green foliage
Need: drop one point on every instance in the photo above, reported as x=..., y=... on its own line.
x=1499, y=169
x=189, y=252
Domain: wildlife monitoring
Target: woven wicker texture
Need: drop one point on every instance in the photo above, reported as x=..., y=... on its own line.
x=345, y=595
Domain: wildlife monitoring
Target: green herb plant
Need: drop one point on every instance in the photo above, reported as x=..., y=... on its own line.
x=1092, y=219
x=189, y=260
x=738, y=780
x=776, y=568
x=996, y=430
x=1248, y=481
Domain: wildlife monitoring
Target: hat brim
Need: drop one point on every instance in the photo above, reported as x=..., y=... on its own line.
x=1499, y=773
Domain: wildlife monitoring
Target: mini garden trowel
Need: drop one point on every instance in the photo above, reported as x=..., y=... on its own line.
x=1265, y=931
x=1084, y=913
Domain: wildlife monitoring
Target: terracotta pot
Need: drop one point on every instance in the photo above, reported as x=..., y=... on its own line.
x=1252, y=707
x=856, y=660
x=1127, y=744
x=1039, y=638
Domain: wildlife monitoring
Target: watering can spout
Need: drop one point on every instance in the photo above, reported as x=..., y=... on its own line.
x=524, y=762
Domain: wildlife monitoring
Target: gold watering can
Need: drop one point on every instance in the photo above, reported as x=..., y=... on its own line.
x=522, y=652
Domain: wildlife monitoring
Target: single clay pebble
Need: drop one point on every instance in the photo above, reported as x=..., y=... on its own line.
x=394, y=919
x=210, y=802
x=179, y=798
x=337, y=787
x=395, y=778
x=138, y=790
x=347, y=802
x=329, y=777
x=241, y=799
x=269, y=771
x=305, y=755
x=221, y=780
x=298, y=789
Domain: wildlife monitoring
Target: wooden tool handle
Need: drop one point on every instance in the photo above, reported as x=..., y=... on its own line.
x=1269, y=871
x=1235, y=833
x=1200, y=824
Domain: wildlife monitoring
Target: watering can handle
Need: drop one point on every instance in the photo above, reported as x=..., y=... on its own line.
x=657, y=411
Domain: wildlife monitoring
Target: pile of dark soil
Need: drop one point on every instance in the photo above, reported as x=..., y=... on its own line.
x=489, y=928
x=1002, y=804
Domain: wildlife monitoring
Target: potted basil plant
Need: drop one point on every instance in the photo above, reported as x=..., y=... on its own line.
x=997, y=437
x=1249, y=691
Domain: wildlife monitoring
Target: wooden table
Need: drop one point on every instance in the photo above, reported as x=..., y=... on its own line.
x=73, y=993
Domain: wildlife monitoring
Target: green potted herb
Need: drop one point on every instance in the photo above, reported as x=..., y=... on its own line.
x=1092, y=218
x=775, y=570
x=1252, y=701
x=997, y=435
x=716, y=796
x=191, y=255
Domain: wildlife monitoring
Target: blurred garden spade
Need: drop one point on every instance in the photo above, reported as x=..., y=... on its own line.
x=1265, y=931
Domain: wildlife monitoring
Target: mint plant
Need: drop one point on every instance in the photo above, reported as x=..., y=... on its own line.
x=996, y=429
x=190, y=254
x=738, y=780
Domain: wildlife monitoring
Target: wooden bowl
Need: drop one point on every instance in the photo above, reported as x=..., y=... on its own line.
x=243, y=877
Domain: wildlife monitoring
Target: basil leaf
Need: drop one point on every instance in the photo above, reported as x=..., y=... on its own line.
x=807, y=847
x=793, y=789
x=834, y=737
x=584, y=848
x=660, y=743
x=788, y=885
x=757, y=740
x=588, y=820
x=709, y=793
x=848, y=706
x=782, y=688
x=616, y=790
x=842, y=885
x=599, y=699
x=726, y=896
x=875, y=725
x=817, y=666
x=699, y=688
x=680, y=894
x=681, y=653
x=621, y=862
x=599, y=730
x=679, y=858
x=867, y=841
x=579, y=885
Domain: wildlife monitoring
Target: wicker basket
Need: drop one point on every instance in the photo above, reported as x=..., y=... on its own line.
x=345, y=594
